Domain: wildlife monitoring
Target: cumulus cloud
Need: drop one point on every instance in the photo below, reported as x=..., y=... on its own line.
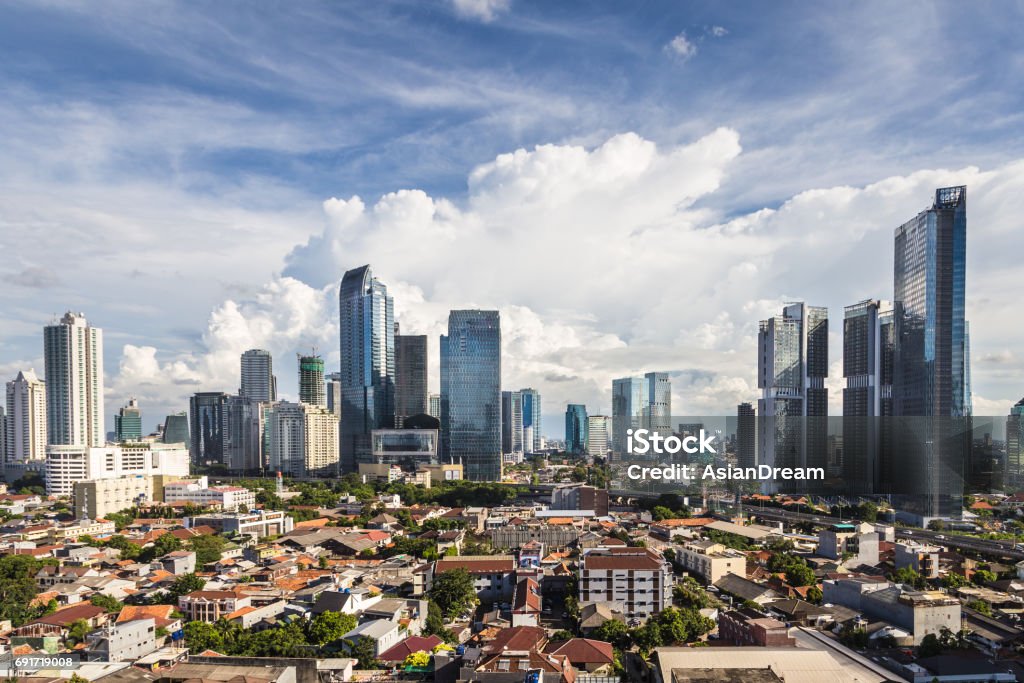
x=718, y=31
x=604, y=263
x=682, y=47
x=482, y=10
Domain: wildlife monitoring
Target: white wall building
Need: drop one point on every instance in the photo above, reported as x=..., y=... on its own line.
x=26, y=418
x=599, y=435
x=639, y=578
x=302, y=439
x=73, y=353
x=66, y=465
x=199, y=492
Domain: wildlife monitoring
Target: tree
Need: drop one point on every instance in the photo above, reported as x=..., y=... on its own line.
x=930, y=646
x=18, y=588
x=201, y=635
x=800, y=575
x=418, y=660
x=322, y=562
x=328, y=627
x=660, y=512
x=854, y=636
x=106, y=602
x=166, y=543
x=208, y=548
x=128, y=550
x=185, y=584
x=435, y=624
x=613, y=631
x=454, y=592
x=815, y=595
x=77, y=631
x=562, y=635
x=983, y=576
x=908, y=576
x=980, y=606
x=362, y=649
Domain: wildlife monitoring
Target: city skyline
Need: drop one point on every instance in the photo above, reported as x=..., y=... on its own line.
x=236, y=239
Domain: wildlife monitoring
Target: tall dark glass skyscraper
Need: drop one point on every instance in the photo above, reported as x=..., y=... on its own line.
x=932, y=378
x=577, y=430
x=206, y=415
x=410, y=376
x=471, y=393
x=746, y=435
x=367, y=322
x=257, y=375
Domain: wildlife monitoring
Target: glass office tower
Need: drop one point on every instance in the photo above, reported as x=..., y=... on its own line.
x=532, y=421
x=932, y=378
x=576, y=429
x=512, y=422
x=658, y=402
x=471, y=393
x=628, y=404
x=367, y=323
x=128, y=422
x=206, y=415
x=411, y=376
x=257, y=376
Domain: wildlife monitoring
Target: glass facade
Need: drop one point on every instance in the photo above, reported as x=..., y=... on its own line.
x=532, y=420
x=577, y=432
x=411, y=376
x=206, y=414
x=128, y=423
x=257, y=376
x=512, y=422
x=658, y=402
x=471, y=393
x=627, y=409
x=367, y=375
x=405, y=447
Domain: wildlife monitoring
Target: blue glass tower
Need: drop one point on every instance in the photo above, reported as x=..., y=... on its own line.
x=367, y=376
x=577, y=430
x=532, y=420
x=471, y=393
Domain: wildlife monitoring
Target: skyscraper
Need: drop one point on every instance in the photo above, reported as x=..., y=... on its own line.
x=206, y=415
x=746, y=435
x=931, y=377
x=242, y=435
x=471, y=393
x=128, y=422
x=792, y=367
x=435, y=406
x=599, y=440
x=176, y=429
x=367, y=322
x=512, y=422
x=1015, y=443
x=533, y=437
x=74, y=382
x=258, y=381
x=302, y=439
x=334, y=393
x=658, y=402
x=311, y=381
x=26, y=418
x=628, y=409
x=410, y=376
x=576, y=429
x=868, y=346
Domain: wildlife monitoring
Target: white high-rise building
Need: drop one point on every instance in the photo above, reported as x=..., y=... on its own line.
x=258, y=381
x=74, y=382
x=66, y=465
x=26, y=418
x=599, y=437
x=302, y=439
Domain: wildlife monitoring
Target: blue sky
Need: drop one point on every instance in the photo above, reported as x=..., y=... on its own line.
x=165, y=168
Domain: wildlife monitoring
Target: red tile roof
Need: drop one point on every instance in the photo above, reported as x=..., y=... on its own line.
x=583, y=651
x=399, y=652
x=518, y=638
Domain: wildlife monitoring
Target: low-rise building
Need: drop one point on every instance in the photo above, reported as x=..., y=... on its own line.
x=918, y=612
x=526, y=603
x=383, y=633
x=711, y=560
x=210, y=606
x=199, y=492
x=923, y=559
x=122, y=642
x=857, y=544
x=258, y=523
x=746, y=626
x=638, y=578
x=493, y=575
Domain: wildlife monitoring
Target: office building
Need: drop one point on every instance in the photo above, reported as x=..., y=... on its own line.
x=411, y=396
x=206, y=418
x=199, y=492
x=434, y=408
x=868, y=346
x=628, y=410
x=658, y=402
x=333, y=393
x=512, y=422
x=599, y=435
x=411, y=448
x=312, y=389
x=302, y=439
x=533, y=437
x=242, y=434
x=471, y=393
x=793, y=408
x=73, y=351
x=931, y=377
x=258, y=381
x=25, y=420
x=66, y=465
x=746, y=435
x=1014, y=442
x=639, y=578
x=97, y=498
x=176, y=429
x=576, y=435
x=128, y=422
x=367, y=325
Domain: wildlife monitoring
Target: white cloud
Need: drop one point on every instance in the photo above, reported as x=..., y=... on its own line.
x=483, y=10
x=718, y=31
x=682, y=47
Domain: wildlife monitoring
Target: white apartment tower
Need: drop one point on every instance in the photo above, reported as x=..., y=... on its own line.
x=26, y=418
x=73, y=353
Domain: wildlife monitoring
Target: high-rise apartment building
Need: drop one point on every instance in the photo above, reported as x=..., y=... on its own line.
x=367, y=324
x=128, y=422
x=25, y=420
x=868, y=346
x=533, y=437
x=471, y=393
x=242, y=435
x=206, y=418
x=311, y=381
x=66, y=465
x=258, y=380
x=73, y=352
x=302, y=439
x=792, y=366
x=512, y=422
x=746, y=435
x=411, y=396
x=599, y=435
x=576, y=434
x=1015, y=443
x=931, y=378
x=176, y=429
